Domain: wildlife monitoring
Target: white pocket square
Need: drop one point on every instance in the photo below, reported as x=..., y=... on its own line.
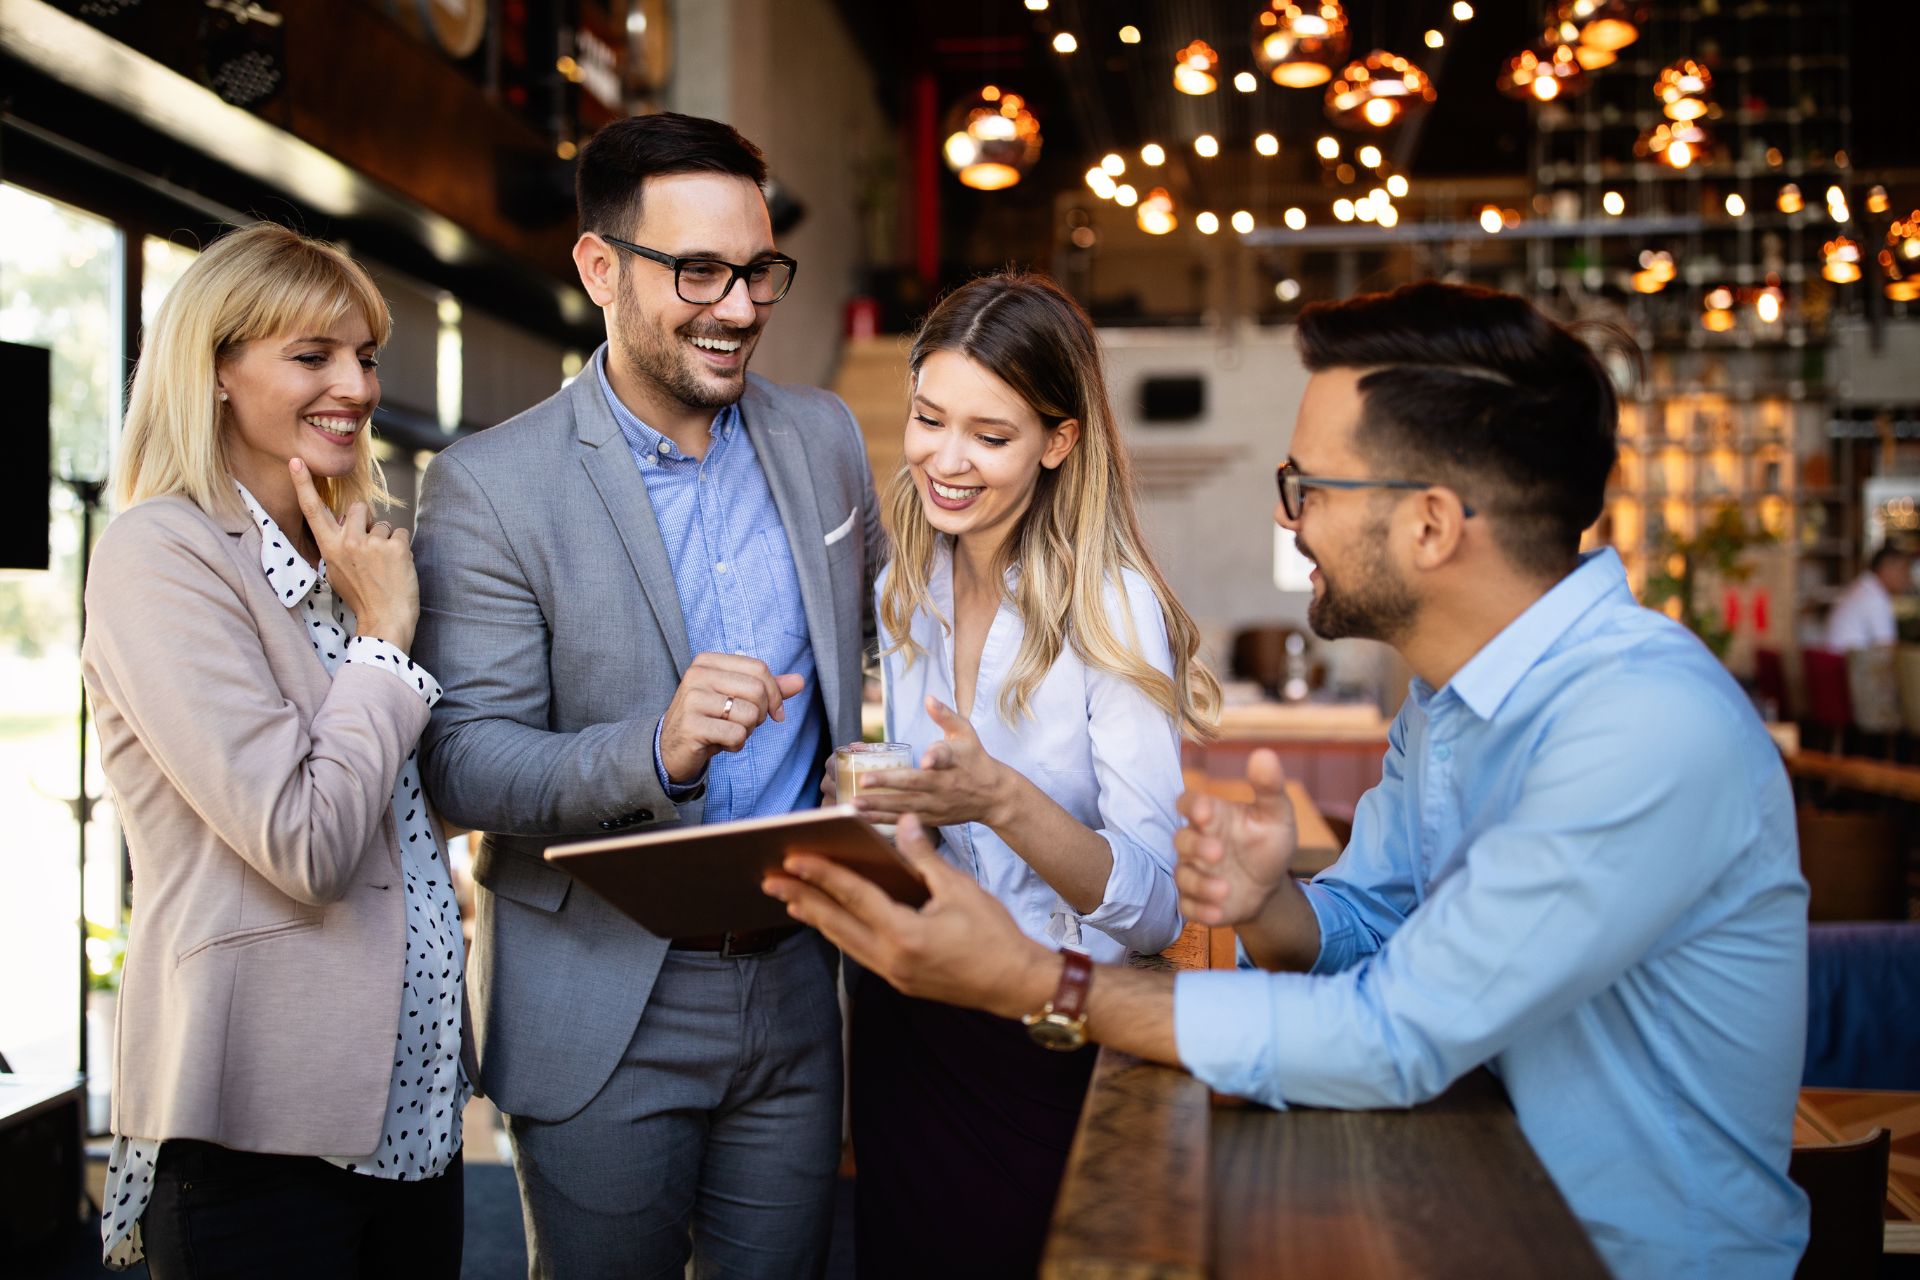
x=846, y=527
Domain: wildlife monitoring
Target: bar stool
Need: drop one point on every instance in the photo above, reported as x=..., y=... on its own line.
x=1829, y=701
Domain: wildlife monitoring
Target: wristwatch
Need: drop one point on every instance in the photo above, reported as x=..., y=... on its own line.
x=1061, y=1023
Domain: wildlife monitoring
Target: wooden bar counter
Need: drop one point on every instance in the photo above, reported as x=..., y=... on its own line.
x=1165, y=1183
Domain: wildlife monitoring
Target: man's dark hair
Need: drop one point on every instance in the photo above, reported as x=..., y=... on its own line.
x=1886, y=555
x=1481, y=392
x=618, y=160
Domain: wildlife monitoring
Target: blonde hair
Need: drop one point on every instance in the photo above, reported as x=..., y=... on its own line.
x=1079, y=532
x=252, y=283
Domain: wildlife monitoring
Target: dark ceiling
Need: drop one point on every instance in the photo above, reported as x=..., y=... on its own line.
x=1112, y=96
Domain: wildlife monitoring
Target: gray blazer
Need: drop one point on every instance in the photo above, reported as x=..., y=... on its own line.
x=550, y=616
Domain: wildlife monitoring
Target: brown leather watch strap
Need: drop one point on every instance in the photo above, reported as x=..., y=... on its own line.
x=1070, y=998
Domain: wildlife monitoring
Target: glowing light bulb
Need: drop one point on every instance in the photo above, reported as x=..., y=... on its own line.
x=1267, y=145
x=1207, y=145
x=1327, y=147
x=1065, y=43
x=1242, y=221
x=1435, y=39
x=1462, y=12
x=1490, y=220
x=1736, y=206
x=1153, y=155
x=1343, y=209
x=1380, y=112
x=1614, y=203
x=1295, y=218
x=1369, y=156
x=1113, y=164
x=1129, y=34
x=1397, y=186
x=1125, y=196
x=1245, y=82
x=1207, y=222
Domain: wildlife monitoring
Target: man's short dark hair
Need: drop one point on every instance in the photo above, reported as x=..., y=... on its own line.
x=1886, y=555
x=616, y=163
x=1481, y=392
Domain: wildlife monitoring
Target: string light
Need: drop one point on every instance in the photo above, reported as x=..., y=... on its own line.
x=1328, y=147
x=1397, y=186
x=1736, y=205
x=1155, y=215
x=1208, y=222
x=1434, y=39
x=1614, y=203
x=1153, y=155
x=1065, y=43
x=1490, y=220
x=1267, y=145
x=1789, y=200
x=1343, y=209
x=1369, y=156
x=1113, y=163
x=1295, y=218
x=1129, y=34
x=1244, y=81
x=1242, y=221
x=1207, y=146
x=1125, y=196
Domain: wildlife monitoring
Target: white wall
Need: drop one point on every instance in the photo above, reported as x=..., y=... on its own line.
x=1206, y=485
x=788, y=76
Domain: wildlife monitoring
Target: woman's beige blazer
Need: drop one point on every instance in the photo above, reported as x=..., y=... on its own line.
x=261, y=993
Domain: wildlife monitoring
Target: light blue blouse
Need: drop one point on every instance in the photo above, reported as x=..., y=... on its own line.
x=1099, y=746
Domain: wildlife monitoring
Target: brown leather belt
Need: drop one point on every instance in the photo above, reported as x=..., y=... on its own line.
x=753, y=942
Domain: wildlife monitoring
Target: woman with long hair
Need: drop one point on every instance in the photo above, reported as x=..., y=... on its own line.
x=1043, y=671
x=288, y=1065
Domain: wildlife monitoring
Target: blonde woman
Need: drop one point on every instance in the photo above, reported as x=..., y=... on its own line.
x=288, y=1067
x=1040, y=665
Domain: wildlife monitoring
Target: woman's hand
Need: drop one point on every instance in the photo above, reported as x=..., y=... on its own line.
x=957, y=781
x=369, y=564
x=830, y=784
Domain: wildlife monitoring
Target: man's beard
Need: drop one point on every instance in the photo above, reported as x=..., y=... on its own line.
x=663, y=358
x=1374, y=605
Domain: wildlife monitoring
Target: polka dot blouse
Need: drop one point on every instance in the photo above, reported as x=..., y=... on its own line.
x=421, y=1133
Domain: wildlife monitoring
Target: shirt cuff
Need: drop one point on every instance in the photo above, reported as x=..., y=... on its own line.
x=1339, y=943
x=1223, y=1030
x=375, y=652
x=676, y=791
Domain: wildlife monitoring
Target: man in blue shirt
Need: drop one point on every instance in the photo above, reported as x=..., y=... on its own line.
x=1579, y=868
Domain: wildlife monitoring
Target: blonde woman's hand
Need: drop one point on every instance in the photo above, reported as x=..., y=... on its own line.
x=369, y=563
x=957, y=781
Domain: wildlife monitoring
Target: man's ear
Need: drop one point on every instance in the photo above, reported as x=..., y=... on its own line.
x=1060, y=442
x=1440, y=527
x=594, y=259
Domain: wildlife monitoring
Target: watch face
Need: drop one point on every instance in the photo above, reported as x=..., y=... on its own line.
x=1056, y=1031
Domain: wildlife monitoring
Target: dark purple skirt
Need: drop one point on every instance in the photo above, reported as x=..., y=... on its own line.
x=961, y=1127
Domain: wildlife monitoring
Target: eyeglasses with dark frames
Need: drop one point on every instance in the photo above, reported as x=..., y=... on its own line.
x=1293, y=486
x=705, y=281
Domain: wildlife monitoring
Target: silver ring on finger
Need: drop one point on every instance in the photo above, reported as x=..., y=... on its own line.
x=382, y=529
x=726, y=712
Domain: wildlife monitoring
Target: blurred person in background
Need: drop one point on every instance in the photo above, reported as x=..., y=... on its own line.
x=1862, y=618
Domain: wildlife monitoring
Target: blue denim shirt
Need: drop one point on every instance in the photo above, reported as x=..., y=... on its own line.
x=1580, y=868
x=739, y=593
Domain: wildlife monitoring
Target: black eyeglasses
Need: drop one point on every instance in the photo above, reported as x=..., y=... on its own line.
x=704, y=281
x=1292, y=484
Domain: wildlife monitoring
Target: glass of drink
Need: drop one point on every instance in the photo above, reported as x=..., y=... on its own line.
x=855, y=761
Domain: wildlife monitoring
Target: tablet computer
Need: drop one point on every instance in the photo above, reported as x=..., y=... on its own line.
x=690, y=881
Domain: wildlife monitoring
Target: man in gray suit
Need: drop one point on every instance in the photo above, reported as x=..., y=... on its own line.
x=647, y=601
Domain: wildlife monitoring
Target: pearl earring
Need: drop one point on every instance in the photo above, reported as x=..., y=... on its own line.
x=223, y=397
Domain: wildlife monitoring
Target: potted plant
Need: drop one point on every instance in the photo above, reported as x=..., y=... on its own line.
x=1718, y=550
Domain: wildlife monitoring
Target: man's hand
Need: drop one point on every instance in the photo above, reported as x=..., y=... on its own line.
x=957, y=781
x=961, y=947
x=1233, y=857
x=721, y=700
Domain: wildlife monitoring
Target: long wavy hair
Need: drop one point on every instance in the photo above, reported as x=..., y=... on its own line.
x=253, y=283
x=1080, y=530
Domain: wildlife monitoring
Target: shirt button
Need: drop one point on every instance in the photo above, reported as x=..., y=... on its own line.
x=1443, y=753
x=721, y=567
x=664, y=447
x=739, y=653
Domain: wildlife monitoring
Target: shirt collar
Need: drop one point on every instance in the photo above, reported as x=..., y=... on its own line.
x=1491, y=674
x=649, y=444
x=288, y=573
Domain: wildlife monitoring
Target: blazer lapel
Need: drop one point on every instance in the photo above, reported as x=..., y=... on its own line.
x=783, y=457
x=615, y=475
